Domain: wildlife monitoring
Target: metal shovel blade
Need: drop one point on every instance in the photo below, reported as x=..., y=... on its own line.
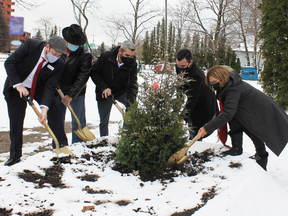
x=80, y=134
x=66, y=150
x=180, y=157
x=88, y=134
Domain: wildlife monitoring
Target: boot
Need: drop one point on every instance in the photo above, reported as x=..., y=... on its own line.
x=262, y=160
x=236, y=145
x=261, y=155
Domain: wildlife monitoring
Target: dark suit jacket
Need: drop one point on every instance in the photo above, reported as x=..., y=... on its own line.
x=20, y=64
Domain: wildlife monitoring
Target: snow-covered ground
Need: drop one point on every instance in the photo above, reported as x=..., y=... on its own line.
x=247, y=190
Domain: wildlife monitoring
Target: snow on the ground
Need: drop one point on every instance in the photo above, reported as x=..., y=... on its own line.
x=247, y=190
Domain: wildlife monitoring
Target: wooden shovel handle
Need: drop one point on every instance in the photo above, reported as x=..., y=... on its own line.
x=192, y=141
x=70, y=108
x=46, y=125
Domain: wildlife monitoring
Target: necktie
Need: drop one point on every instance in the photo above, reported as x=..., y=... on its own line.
x=222, y=131
x=34, y=82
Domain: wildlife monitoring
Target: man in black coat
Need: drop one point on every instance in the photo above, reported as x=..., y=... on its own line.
x=115, y=73
x=75, y=75
x=201, y=101
x=21, y=67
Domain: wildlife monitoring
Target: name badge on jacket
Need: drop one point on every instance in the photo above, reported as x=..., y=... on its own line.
x=50, y=67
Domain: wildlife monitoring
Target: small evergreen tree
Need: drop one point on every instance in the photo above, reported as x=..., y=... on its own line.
x=38, y=35
x=274, y=77
x=154, y=129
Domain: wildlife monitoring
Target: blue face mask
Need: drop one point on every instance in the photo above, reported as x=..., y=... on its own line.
x=72, y=47
x=52, y=58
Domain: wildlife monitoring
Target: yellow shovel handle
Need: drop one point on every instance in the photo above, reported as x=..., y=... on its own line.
x=70, y=108
x=46, y=126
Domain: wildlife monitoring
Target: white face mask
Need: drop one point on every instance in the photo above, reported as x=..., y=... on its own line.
x=52, y=58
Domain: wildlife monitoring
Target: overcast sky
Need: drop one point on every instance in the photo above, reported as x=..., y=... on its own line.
x=61, y=12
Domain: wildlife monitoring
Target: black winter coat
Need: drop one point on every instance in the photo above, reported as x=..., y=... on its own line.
x=201, y=103
x=76, y=73
x=255, y=111
x=20, y=64
x=105, y=73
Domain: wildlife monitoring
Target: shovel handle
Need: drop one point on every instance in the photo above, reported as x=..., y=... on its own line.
x=70, y=108
x=116, y=104
x=192, y=141
x=30, y=102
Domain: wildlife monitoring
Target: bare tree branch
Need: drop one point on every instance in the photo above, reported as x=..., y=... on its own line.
x=133, y=24
x=80, y=8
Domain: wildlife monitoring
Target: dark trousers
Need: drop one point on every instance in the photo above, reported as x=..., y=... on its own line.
x=17, y=110
x=104, y=109
x=237, y=129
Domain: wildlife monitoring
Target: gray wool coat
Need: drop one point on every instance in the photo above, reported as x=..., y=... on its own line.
x=255, y=111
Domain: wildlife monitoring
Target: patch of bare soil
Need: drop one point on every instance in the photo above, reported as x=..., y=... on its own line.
x=92, y=191
x=53, y=176
x=205, y=198
x=6, y=212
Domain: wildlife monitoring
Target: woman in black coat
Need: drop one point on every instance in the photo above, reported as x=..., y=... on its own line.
x=246, y=109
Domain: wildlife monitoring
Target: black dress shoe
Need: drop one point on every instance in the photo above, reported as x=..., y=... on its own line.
x=11, y=162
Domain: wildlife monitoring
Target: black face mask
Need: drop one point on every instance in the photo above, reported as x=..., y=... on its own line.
x=127, y=60
x=216, y=86
x=183, y=70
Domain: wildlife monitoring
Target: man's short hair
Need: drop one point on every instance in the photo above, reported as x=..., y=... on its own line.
x=127, y=44
x=184, y=53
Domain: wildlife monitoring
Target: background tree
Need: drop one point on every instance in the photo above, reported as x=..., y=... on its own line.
x=134, y=23
x=27, y=4
x=171, y=43
x=274, y=34
x=38, y=35
x=46, y=25
x=146, y=50
x=4, y=33
x=54, y=31
x=215, y=27
x=241, y=14
x=102, y=48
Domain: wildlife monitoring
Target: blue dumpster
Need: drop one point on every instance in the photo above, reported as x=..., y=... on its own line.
x=249, y=73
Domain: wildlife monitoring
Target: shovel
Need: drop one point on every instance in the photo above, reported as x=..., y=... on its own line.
x=180, y=156
x=57, y=150
x=83, y=133
x=116, y=104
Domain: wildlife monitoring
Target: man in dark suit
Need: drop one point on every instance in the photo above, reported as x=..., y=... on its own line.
x=21, y=68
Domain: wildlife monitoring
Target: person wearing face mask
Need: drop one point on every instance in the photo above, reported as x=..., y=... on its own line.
x=248, y=110
x=201, y=101
x=75, y=74
x=114, y=73
x=34, y=68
